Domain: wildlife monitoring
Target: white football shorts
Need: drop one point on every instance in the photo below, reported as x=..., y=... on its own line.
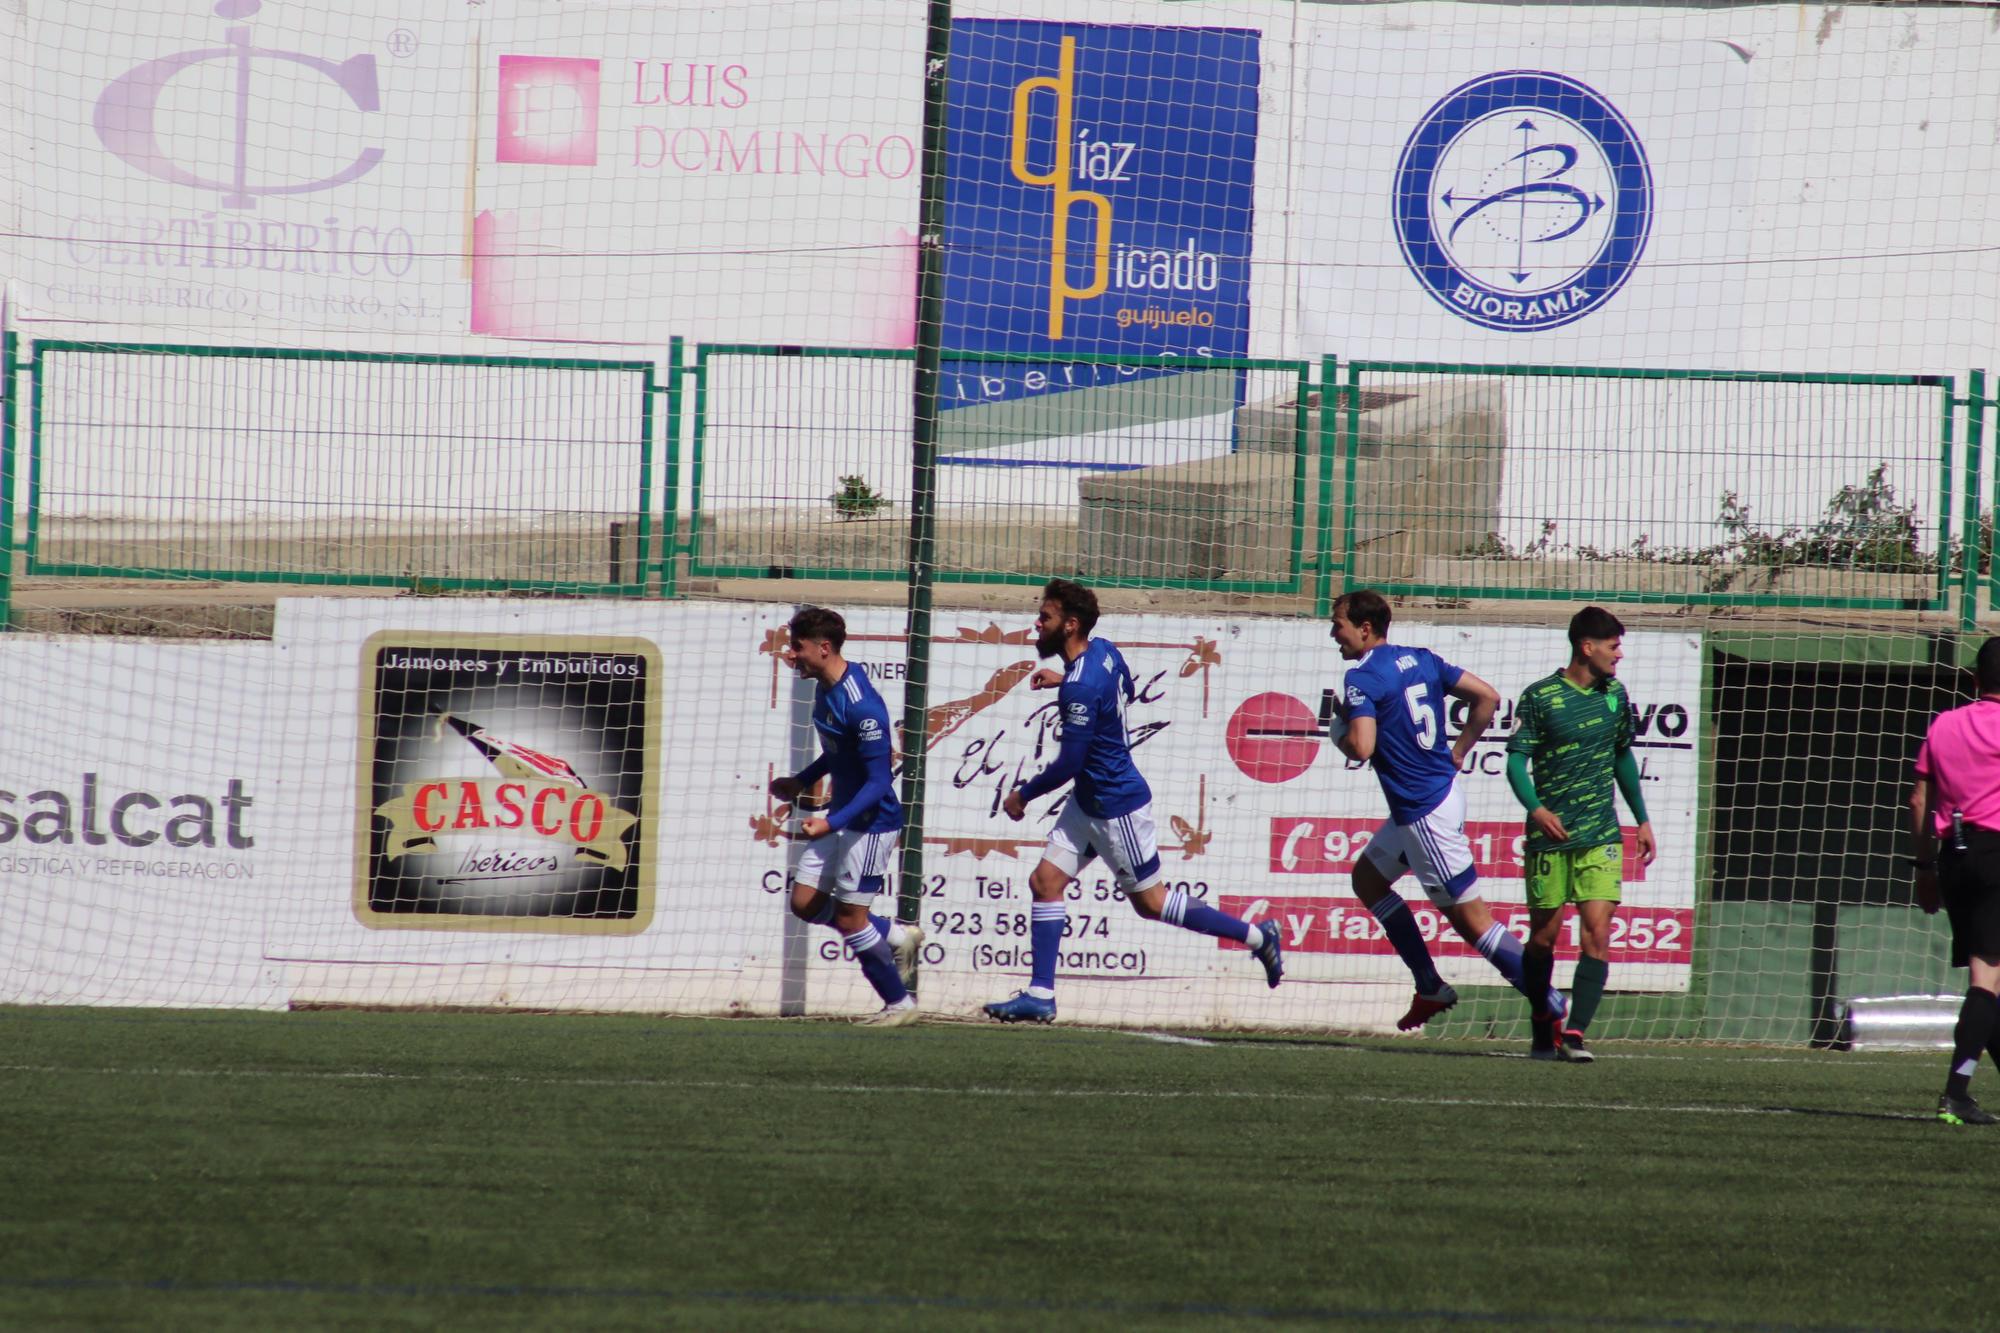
x=1125, y=842
x=848, y=865
x=1434, y=847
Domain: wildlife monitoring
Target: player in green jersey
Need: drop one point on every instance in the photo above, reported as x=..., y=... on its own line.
x=1574, y=729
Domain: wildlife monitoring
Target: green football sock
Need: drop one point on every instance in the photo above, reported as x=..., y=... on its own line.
x=1586, y=990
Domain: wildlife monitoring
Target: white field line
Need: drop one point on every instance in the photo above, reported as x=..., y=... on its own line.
x=1171, y=1039
x=910, y=1089
x=1358, y=1046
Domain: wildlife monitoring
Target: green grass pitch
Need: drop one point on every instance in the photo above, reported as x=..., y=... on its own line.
x=422, y=1170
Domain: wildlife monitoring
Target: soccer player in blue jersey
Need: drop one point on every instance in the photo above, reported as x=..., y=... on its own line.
x=1109, y=813
x=1394, y=703
x=853, y=845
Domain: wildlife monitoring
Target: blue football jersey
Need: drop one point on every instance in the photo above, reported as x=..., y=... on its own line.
x=1403, y=689
x=1095, y=750
x=853, y=727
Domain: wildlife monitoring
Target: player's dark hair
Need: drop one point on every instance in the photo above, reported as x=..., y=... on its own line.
x=1075, y=600
x=817, y=622
x=1593, y=622
x=1986, y=667
x=1364, y=606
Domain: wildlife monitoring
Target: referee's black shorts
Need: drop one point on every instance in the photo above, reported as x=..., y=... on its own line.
x=1969, y=882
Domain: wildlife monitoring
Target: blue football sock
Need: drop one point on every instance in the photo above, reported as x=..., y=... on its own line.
x=1501, y=949
x=1400, y=925
x=1202, y=919
x=1045, y=931
x=877, y=964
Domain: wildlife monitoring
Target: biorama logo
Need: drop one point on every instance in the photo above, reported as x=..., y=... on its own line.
x=94, y=817
x=1523, y=200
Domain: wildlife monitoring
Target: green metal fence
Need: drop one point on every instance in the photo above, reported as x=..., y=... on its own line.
x=9, y=394
x=1981, y=522
x=1443, y=480
x=1276, y=477
x=1175, y=473
x=1153, y=472
x=330, y=467
x=1689, y=487
x=775, y=430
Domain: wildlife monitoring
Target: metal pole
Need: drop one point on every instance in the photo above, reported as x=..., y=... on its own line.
x=1329, y=372
x=923, y=451
x=8, y=371
x=796, y=948
x=1976, y=536
x=670, y=437
x=1824, y=963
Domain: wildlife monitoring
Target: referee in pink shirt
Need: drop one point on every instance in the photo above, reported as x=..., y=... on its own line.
x=1955, y=820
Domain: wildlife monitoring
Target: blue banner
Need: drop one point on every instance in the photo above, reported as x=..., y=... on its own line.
x=1098, y=201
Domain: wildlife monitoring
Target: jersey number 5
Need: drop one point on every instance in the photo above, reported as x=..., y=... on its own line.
x=1422, y=716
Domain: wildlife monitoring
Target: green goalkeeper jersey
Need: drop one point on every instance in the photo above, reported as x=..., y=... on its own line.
x=1572, y=738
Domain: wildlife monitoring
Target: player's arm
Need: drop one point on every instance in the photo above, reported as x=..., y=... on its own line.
x=1625, y=769
x=786, y=789
x=1077, y=718
x=1923, y=836
x=1521, y=748
x=1521, y=782
x=1484, y=701
x=879, y=783
x=1358, y=743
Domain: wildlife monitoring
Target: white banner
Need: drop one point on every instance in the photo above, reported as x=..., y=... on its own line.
x=139, y=804
x=684, y=758
x=1515, y=197
x=1256, y=813
x=1735, y=188
x=564, y=804
x=1318, y=811
x=651, y=170
x=247, y=166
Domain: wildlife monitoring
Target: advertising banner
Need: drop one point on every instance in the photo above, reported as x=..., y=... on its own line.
x=567, y=805
x=1099, y=200
x=249, y=165
x=546, y=787
x=506, y=782
x=1256, y=813
x=710, y=172
x=139, y=824
x=1508, y=198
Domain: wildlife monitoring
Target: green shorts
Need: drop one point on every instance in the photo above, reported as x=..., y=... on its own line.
x=1588, y=874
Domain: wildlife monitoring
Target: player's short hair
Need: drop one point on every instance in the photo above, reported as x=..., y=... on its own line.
x=1593, y=622
x=1364, y=606
x=817, y=622
x=1075, y=600
x=1986, y=667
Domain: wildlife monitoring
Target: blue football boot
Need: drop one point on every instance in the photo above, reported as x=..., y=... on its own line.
x=1271, y=953
x=1022, y=1007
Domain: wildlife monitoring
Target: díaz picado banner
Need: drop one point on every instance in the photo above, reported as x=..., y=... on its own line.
x=1098, y=202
